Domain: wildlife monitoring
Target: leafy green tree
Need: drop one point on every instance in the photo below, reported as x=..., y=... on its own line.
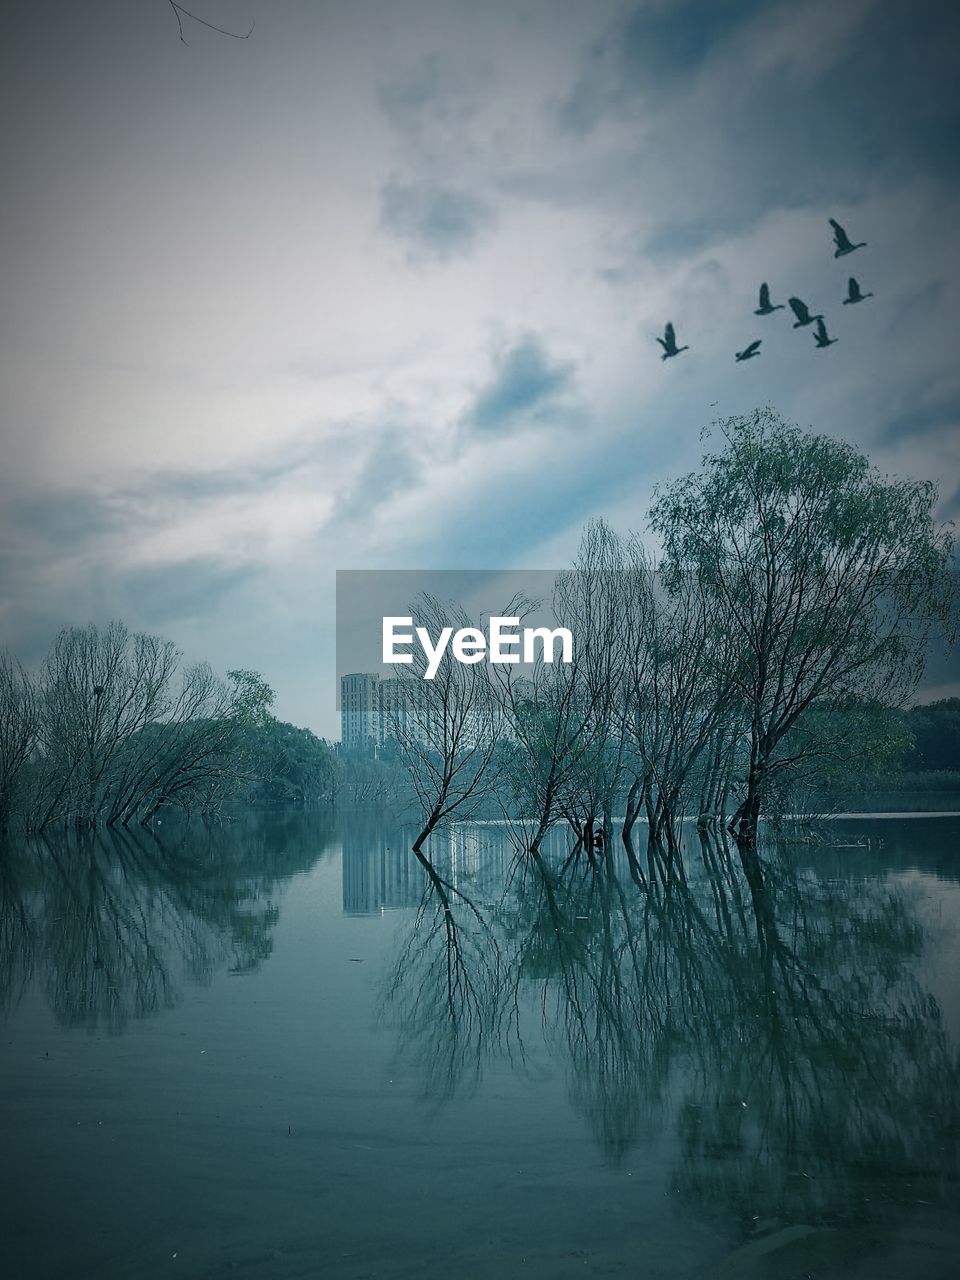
x=288, y=765
x=830, y=576
x=251, y=698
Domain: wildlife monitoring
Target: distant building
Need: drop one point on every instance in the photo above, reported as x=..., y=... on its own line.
x=360, y=721
x=397, y=708
x=374, y=710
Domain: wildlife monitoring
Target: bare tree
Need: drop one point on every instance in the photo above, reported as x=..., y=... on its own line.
x=124, y=730
x=561, y=718
x=19, y=726
x=447, y=727
x=99, y=688
x=678, y=714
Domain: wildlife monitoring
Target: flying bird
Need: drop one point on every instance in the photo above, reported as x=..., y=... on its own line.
x=749, y=352
x=669, y=343
x=765, y=308
x=842, y=240
x=821, y=336
x=802, y=313
x=853, y=293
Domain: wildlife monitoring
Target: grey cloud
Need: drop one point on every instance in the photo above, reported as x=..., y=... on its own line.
x=428, y=95
x=154, y=599
x=951, y=508
x=914, y=306
x=175, y=485
x=883, y=102
x=405, y=98
x=69, y=514
x=177, y=592
x=62, y=521
x=524, y=380
x=649, y=47
x=437, y=221
x=435, y=106
x=60, y=554
x=387, y=469
x=59, y=520
x=920, y=420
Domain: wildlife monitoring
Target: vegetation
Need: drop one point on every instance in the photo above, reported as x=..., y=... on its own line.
x=830, y=577
x=935, y=733
x=772, y=647
x=114, y=728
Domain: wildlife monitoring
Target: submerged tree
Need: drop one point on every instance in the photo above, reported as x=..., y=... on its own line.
x=830, y=577
x=19, y=727
x=124, y=729
x=446, y=726
x=564, y=753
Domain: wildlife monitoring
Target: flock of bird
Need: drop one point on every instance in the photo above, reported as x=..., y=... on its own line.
x=843, y=245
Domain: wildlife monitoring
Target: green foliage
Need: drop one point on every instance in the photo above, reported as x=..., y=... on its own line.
x=839, y=749
x=251, y=697
x=830, y=577
x=285, y=765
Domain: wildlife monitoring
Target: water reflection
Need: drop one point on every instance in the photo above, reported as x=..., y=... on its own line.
x=449, y=992
x=110, y=924
x=759, y=1039
x=378, y=874
x=767, y=1017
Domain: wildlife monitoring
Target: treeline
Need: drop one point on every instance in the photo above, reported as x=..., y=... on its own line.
x=115, y=727
x=935, y=737
x=765, y=647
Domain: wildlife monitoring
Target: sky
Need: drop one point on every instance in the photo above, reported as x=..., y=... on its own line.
x=379, y=286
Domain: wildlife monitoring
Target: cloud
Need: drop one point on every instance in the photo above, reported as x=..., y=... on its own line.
x=708, y=117
x=406, y=98
x=254, y=393
x=165, y=594
x=641, y=52
x=524, y=380
x=921, y=419
x=435, y=220
x=58, y=521
x=433, y=103
x=387, y=468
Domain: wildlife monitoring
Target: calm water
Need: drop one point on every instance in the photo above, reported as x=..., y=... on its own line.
x=283, y=1049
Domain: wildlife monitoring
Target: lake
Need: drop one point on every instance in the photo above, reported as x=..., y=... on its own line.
x=284, y=1047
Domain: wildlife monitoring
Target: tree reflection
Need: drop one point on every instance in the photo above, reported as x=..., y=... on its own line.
x=770, y=1019
x=836, y=1087
x=449, y=994
x=112, y=923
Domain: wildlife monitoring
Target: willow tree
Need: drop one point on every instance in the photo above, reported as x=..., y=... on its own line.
x=830, y=578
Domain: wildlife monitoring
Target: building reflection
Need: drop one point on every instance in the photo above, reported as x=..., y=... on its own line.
x=381, y=873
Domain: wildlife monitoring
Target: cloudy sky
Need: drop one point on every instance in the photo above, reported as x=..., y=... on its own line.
x=378, y=287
